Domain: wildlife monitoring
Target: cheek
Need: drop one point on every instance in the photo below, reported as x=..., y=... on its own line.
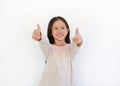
x=53, y=33
x=66, y=31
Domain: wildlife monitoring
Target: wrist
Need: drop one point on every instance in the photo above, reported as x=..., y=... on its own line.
x=79, y=43
x=39, y=39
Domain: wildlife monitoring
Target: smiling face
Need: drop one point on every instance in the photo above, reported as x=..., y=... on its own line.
x=59, y=31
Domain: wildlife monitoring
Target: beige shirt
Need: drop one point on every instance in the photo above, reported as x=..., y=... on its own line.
x=58, y=69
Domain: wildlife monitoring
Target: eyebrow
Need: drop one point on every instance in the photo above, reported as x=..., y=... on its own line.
x=59, y=26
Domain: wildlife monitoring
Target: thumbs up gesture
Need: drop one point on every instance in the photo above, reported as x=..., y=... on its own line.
x=77, y=38
x=37, y=35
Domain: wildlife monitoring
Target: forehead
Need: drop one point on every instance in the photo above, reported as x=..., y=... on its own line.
x=58, y=23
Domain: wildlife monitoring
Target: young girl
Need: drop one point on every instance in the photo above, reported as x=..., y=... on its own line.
x=59, y=52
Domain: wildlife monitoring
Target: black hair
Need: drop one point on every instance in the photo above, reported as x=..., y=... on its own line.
x=49, y=30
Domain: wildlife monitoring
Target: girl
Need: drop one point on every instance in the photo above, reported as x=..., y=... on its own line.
x=59, y=52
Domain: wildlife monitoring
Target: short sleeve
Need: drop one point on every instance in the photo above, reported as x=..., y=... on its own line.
x=45, y=47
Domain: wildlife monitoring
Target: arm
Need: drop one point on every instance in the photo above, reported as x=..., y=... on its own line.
x=76, y=43
x=44, y=45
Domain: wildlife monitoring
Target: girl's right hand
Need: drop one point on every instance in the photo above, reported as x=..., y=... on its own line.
x=37, y=35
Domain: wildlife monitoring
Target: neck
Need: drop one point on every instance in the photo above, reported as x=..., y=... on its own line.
x=59, y=43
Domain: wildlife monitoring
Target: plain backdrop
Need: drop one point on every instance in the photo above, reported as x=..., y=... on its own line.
x=98, y=60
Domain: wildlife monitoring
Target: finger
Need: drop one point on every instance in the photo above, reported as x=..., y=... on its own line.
x=36, y=32
x=77, y=31
x=38, y=27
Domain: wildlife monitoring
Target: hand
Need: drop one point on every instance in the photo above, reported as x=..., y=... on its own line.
x=37, y=35
x=77, y=38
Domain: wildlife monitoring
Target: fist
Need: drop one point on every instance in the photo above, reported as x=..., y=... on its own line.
x=77, y=38
x=37, y=35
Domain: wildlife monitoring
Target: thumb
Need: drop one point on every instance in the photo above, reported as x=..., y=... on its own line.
x=77, y=31
x=38, y=27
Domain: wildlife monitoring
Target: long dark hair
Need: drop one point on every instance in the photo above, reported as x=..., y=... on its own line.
x=49, y=30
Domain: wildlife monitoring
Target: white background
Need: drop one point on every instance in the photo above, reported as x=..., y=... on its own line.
x=98, y=60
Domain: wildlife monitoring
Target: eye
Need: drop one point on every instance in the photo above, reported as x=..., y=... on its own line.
x=62, y=28
x=55, y=28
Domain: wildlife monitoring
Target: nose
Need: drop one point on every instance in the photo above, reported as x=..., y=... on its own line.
x=60, y=30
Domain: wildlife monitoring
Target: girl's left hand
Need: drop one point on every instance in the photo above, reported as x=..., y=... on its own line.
x=77, y=38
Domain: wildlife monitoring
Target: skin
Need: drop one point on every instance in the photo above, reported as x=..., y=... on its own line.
x=59, y=32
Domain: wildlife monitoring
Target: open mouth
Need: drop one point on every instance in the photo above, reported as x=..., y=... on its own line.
x=60, y=35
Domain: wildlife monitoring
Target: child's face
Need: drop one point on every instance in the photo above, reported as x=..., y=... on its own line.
x=59, y=30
